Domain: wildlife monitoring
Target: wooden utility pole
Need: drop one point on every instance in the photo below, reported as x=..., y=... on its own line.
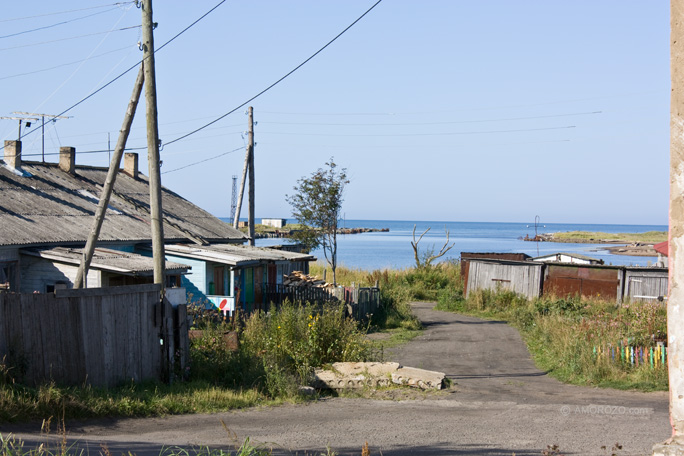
x=109, y=182
x=250, y=147
x=153, y=144
x=238, y=206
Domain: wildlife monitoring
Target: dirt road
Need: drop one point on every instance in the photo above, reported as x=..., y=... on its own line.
x=500, y=404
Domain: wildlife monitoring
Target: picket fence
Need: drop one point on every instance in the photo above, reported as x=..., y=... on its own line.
x=655, y=357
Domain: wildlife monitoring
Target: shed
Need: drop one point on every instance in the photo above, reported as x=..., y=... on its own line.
x=645, y=284
x=587, y=281
x=274, y=222
x=561, y=257
x=467, y=256
x=522, y=277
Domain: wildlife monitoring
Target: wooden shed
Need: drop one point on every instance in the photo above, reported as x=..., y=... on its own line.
x=645, y=284
x=522, y=277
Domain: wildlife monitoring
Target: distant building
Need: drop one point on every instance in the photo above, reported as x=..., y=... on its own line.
x=274, y=222
x=560, y=257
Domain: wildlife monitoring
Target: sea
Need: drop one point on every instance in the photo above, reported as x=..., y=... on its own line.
x=392, y=250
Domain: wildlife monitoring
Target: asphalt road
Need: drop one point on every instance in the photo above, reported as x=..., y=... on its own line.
x=500, y=404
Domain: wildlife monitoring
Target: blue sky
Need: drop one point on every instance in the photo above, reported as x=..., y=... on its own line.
x=439, y=109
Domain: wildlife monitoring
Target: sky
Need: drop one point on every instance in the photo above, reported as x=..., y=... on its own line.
x=441, y=110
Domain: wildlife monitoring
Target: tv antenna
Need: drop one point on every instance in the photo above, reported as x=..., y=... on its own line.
x=52, y=117
x=27, y=121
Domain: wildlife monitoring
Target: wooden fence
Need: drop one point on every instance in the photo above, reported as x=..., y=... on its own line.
x=361, y=302
x=98, y=336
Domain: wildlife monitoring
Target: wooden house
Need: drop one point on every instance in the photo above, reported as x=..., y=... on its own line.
x=48, y=206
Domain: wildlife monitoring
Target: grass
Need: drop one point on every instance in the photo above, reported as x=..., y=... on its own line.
x=561, y=334
x=650, y=237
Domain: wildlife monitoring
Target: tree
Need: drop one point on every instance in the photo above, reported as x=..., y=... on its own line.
x=425, y=259
x=317, y=204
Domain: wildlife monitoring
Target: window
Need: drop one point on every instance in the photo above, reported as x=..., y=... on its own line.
x=8, y=276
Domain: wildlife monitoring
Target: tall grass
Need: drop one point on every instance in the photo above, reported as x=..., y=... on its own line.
x=563, y=333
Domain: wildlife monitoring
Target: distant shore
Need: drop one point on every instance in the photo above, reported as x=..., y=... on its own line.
x=265, y=232
x=632, y=244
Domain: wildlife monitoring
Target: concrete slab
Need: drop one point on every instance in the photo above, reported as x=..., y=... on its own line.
x=362, y=375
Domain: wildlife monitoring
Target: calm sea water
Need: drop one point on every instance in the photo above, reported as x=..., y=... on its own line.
x=393, y=249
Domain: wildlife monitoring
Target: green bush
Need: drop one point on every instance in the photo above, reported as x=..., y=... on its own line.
x=295, y=339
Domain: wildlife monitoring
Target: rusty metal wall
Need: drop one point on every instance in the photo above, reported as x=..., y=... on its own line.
x=585, y=281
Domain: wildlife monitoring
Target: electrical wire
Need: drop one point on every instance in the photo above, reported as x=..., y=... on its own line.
x=419, y=134
x=66, y=12
x=202, y=161
x=432, y=123
x=63, y=64
x=132, y=67
x=279, y=80
x=70, y=38
x=55, y=25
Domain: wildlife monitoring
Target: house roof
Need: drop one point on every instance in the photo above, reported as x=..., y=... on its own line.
x=235, y=255
x=571, y=255
x=43, y=205
x=106, y=260
x=662, y=248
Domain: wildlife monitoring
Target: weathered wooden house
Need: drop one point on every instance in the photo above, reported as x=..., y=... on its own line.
x=230, y=275
x=560, y=257
x=48, y=206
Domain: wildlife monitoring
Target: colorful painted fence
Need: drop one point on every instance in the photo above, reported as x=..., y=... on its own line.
x=655, y=357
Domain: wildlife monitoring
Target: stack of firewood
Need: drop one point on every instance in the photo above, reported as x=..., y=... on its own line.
x=299, y=279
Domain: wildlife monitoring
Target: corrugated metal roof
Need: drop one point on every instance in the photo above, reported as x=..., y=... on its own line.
x=53, y=207
x=235, y=255
x=106, y=260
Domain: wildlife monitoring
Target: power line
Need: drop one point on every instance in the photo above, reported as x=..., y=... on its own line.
x=69, y=38
x=55, y=25
x=64, y=64
x=419, y=134
x=279, y=80
x=432, y=123
x=202, y=161
x=137, y=64
x=66, y=12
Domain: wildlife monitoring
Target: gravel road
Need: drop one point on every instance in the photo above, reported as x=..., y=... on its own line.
x=500, y=404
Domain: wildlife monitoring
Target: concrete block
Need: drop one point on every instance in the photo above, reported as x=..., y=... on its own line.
x=419, y=378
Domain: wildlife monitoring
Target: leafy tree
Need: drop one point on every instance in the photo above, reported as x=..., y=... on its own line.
x=317, y=204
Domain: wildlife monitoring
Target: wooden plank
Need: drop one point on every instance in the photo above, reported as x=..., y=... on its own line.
x=108, y=341
x=32, y=343
x=109, y=291
x=4, y=332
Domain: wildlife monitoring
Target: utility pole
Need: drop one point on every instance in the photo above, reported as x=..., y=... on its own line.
x=28, y=121
x=238, y=206
x=52, y=117
x=153, y=144
x=233, y=200
x=109, y=182
x=251, y=175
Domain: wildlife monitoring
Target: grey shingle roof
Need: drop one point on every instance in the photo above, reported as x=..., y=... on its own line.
x=53, y=207
x=107, y=260
x=235, y=255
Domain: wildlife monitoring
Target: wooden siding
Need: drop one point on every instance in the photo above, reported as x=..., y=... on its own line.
x=101, y=337
x=37, y=273
x=646, y=285
x=522, y=278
